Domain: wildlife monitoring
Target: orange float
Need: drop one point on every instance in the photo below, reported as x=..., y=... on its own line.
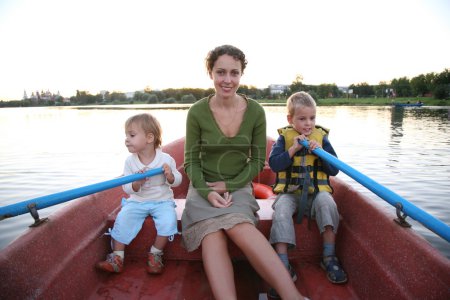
x=262, y=191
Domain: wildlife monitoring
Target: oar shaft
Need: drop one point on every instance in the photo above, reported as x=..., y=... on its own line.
x=429, y=221
x=57, y=198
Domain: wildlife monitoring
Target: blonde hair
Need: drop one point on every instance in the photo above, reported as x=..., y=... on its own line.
x=299, y=99
x=149, y=124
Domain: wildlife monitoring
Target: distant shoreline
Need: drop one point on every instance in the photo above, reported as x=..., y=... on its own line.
x=265, y=102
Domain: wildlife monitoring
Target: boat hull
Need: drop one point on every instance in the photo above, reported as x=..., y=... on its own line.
x=382, y=259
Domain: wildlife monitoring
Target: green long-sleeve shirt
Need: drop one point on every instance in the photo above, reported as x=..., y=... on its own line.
x=211, y=156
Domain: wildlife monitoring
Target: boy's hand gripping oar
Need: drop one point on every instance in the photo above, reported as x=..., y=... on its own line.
x=432, y=223
x=45, y=201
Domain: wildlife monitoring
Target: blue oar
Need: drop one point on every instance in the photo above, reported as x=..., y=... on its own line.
x=432, y=223
x=57, y=198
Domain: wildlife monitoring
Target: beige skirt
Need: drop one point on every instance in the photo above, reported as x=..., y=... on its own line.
x=201, y=218
x=193, y=236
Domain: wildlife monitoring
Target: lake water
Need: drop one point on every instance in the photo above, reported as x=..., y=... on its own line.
x=51, y=149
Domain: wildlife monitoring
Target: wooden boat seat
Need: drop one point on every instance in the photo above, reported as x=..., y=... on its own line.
x=308, y=239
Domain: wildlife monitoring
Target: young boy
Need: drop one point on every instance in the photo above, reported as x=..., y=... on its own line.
x=302, y=184
x=150, y=196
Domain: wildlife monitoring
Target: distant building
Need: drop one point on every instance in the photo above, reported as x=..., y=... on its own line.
x=129, y=95
x=276, y=89
x=103, y=93
x=43, y=96
x=343, y=89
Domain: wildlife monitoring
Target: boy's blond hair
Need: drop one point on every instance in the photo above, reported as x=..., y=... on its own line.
x=149, y=124
x=299, y=99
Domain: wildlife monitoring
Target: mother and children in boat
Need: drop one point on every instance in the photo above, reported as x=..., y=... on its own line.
x=220, y=161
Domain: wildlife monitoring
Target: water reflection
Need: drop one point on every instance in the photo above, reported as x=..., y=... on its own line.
x=396, y=134
x=397, y=114
x=432, y=114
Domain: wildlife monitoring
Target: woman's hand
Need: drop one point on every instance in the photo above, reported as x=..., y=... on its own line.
x=218, y=186
x=218, y=201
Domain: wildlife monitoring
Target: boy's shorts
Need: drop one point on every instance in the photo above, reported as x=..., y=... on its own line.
x=324, y=211
x=132, y=215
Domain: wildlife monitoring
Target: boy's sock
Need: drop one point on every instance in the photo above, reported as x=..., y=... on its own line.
x=120, y=253
x=155, y=250
x=284, y=259
x=328, y=249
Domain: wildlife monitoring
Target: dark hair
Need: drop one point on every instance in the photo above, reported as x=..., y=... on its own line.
x=214, y=54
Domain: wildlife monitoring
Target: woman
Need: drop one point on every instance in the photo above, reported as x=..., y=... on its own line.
x=225, y=149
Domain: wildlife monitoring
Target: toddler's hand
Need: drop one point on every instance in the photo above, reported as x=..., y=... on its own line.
x=168, y=173
x=139, y=183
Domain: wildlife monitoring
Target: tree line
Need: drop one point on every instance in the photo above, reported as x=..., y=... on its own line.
x=435, y=85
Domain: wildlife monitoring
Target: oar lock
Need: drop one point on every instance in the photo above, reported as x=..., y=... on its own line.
x=401, y=216
x=34, y=213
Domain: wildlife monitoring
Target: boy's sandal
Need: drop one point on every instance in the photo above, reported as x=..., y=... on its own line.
x=335, y=273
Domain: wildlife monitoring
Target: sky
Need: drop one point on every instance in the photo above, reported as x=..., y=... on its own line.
x=124, y=46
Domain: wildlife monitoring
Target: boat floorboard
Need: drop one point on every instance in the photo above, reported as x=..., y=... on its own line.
x=184, y=279
x=184, y=276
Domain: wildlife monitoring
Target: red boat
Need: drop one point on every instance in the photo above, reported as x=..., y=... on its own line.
x=56, y=260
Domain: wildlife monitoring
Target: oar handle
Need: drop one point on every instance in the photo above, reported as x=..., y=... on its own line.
x=429, y=221
x=57, y=198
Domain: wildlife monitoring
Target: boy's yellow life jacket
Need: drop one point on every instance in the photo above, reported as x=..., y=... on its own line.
x=291, y=180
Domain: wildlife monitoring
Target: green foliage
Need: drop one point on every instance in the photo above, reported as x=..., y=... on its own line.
x=381, y=89
x=196, y=93
x=188, y=99
x=442, y=91
x=326, y=91
x=152, y=98
x=402, y=87
x=16, y=103
x=363, y=89
x=442, y=85
x=314, y=95
x=443, y=78
x=297, y=84
x=419, y=85
x=83, y=98
x=118, y=96
x=169, y=100
x=251, y=91
x=377, y=101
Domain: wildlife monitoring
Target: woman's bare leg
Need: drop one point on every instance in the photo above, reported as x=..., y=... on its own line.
x=264, y=259
x=218, y=266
